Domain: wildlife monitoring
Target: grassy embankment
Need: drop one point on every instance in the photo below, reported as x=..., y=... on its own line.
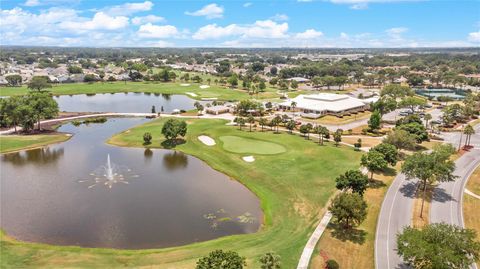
x=471, y=205
x=215, y=91
x=13, y=143
x=293, y=188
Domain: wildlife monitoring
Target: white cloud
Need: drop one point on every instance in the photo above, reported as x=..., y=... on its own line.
x=279, y=17
x=396, y=32
x=100, y=21
x=128, y=8
x=259, y=29
x=247, y=4
x=32, y=3
x=359, y=6
x=344, y=35
x=210, y=11
x=309, y=34
x=474, y=36
x=157, y=31
x=363, y=4
x=147, y=19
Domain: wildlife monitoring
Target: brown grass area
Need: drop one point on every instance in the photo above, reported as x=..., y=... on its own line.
x=471, y=205
x=418, y=221
x=473, y=183
x=356, y=250
x=366, y=140
x=330, y=119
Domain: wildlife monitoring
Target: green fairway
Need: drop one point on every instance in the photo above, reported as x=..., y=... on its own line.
x=238, y=144
x=293, y=188
x=18, y=142
x=214, y=91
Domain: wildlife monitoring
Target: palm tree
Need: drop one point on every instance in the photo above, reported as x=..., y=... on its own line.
x=468, y=132
x=276, y=121
x=262, y=122
x=251, y=121
x=293, y=105
x=321, y=131
x=427, y=118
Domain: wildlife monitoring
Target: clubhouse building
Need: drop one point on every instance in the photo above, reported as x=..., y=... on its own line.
x=317, y=105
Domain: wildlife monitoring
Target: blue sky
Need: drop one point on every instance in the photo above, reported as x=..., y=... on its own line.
x=249, y=23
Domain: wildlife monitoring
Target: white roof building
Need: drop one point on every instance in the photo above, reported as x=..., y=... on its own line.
x=327, y=103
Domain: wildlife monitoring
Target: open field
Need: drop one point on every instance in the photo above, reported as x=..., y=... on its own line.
x=293, y=188
x=355, y=249
x=214, y=91
x=12, y=143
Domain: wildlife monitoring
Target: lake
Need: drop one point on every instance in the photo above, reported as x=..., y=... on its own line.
x=62, y=195
x=123, y=102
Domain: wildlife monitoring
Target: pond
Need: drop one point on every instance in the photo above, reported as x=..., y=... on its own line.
x=84, y=192
x=123, y=102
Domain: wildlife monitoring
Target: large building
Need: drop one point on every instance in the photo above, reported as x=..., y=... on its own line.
x=316, y=105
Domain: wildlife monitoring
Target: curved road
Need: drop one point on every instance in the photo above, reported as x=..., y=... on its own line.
x=397, y=207
x=448, y=196
x=395, y=213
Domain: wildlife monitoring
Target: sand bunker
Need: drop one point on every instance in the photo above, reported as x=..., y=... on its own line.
x=191, y=94
x=207, y=140
x=184, y=84
x=204, y=86
x=249, y=159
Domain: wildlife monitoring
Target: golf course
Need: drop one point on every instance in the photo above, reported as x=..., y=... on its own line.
x=293, y=177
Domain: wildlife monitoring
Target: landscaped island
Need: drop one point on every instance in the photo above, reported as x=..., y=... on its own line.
x=21, y=142
x=293, y=178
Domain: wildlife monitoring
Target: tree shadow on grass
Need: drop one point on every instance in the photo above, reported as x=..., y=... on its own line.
x=172, y=143
x=347, y=234
x=376, y=184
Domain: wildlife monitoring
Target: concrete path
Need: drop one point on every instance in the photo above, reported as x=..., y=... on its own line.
x=120, y=114
x=472, y=194
x=312, y=241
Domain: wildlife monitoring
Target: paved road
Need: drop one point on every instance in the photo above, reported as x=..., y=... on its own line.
x=395, y=213
x=448, y=196
x=396, y=210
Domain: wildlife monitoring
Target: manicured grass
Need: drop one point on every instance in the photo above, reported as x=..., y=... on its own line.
x=238, y=144
x=293, y=188
x=356, y=249
x=222, y=93
x=12, y=143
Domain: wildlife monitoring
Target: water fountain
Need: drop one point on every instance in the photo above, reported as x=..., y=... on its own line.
x=109, y=174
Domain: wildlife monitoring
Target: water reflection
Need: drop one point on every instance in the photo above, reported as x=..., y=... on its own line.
x=175, y=160
x=124, y=102
x=39, y=156
x=148, y=154
x=162, y=205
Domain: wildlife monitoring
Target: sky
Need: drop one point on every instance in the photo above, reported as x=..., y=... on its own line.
x=249, y=23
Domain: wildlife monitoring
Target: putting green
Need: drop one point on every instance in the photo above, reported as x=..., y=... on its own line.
x=239, y=144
